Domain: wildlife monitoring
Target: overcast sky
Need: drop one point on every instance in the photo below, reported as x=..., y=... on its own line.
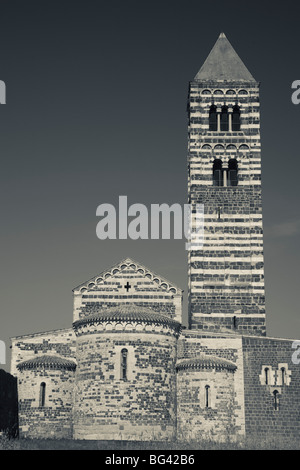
x=96, y=108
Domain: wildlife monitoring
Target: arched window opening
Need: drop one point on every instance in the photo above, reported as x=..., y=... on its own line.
x=276, y=401
x=232, y=179
x=213, y=120
x=236, y=121
x=282, y=370
x=124, y=355
x=217, y=173
x=42, y=394
x=267, y=375
x=224, y=119
x=207, y=396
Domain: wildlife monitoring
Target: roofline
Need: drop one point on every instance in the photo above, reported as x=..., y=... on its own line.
x=210, y=335
x=126, y=260
x=40, y=333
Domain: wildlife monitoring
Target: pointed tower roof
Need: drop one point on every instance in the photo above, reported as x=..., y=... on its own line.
x=223, y=63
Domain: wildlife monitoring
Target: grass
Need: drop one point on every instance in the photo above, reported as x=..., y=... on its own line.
x=69, y=444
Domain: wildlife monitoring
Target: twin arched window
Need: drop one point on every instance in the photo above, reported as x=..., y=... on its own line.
x=224, y=120
x=225, y=177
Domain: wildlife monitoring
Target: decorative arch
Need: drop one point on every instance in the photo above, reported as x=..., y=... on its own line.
x=231, y=147
x=206, y=146
x=219, y=147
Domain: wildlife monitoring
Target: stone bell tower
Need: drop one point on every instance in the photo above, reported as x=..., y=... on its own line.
x=226, y=275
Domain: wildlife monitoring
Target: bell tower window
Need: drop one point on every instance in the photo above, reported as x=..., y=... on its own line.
x=236, y=124
x=213, y=120
x=232, y=172
x=224, y=121
x=217, y=173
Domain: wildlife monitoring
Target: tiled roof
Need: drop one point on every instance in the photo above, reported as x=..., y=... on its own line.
x=205, y=361
x=126, y=312
x=223, y=63
x=46, y=361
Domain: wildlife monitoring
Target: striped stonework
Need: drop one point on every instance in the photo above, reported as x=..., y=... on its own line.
x=226, y=276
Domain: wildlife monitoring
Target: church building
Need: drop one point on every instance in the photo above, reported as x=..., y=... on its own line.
x=127, y=368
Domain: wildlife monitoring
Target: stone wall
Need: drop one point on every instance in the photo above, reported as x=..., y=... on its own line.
x=140, y=407
x=127, y=282
x=60, y=342
x=262, y=420
x=193, y=344
x=201, y=416
x=226, y=285
x=53, y=417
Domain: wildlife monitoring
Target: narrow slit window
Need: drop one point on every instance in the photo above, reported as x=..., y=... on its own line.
x=207, y=396
x=124, y=365
x=282, y=375
x=276, y=401
x=42, y=394
x=266, y=375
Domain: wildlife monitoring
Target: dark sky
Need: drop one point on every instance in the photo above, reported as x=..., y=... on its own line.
x=96, y=108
